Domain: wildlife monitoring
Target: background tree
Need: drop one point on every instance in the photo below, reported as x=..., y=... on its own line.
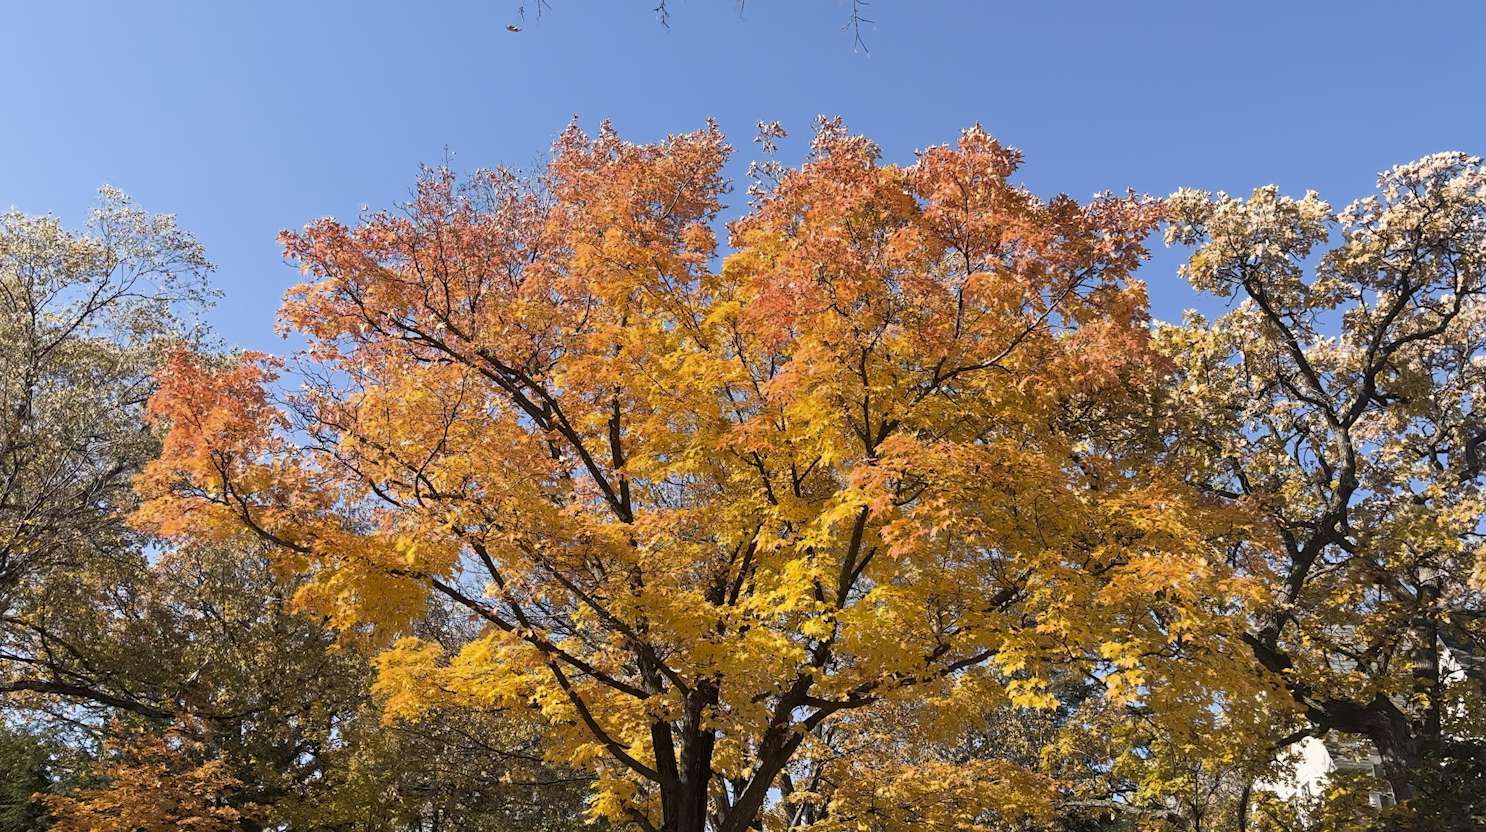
x=266, y=710
x=124, y=662
x=1343, y=398
x=156, y=783
x=84, y=319
x=881, y=472
x=26, y=769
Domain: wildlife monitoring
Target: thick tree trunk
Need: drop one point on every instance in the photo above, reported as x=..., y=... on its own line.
x=690, y=812
x=1380, y=721
x=1397, y=746
x=1398, y=768
x=686, y=801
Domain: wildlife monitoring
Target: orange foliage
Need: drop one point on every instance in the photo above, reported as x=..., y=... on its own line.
x=154, y=785
x=890, y=452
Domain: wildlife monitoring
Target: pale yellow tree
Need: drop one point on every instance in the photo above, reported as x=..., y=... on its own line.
x=1345, y=397
x=86, y=318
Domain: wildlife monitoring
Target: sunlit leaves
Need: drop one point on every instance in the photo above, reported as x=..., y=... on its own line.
x=721, y=520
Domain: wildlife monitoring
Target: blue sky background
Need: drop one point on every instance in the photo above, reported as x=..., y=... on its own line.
x=244, y=118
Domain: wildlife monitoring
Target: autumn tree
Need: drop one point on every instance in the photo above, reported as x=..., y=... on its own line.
x=155, y=783
x=109, y=638
x=1342, y=397
x=203, y=646
x=84, y=320
x=879, y=472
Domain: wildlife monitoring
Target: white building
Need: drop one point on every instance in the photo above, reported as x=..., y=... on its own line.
x=1319, y=760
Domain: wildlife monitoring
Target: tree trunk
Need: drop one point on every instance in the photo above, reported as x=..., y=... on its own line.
x=1399, y=749
x=685, y=804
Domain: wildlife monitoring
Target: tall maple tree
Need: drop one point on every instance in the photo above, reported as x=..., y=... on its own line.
x=883, y=471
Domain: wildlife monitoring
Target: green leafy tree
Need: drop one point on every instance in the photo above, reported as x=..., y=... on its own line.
x=25, y=772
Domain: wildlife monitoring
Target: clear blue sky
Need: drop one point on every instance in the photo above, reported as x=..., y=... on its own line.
x=247, y=117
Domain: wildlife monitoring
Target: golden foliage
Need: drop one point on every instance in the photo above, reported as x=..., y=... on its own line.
x=891, y=451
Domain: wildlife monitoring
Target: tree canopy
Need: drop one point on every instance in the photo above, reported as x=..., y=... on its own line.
x=885, y=468
x=877, y=502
